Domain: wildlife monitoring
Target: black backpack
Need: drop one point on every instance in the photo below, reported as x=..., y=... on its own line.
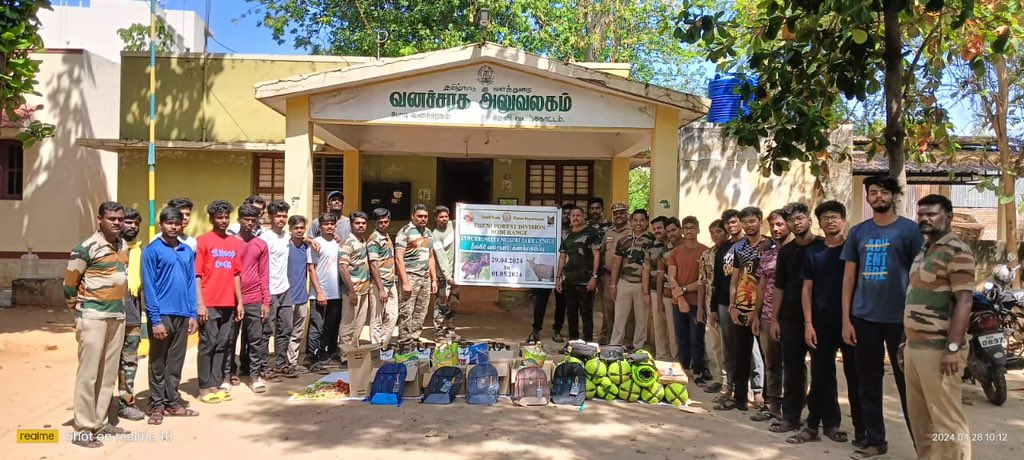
x=443, y=386
x=482, y=385
x=611, y=353
x=569, y=384
x=581, y=350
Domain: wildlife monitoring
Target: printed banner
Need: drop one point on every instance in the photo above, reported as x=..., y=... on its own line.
x=506, y=246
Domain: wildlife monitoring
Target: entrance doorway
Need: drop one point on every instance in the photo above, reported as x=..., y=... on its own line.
x=466, y=181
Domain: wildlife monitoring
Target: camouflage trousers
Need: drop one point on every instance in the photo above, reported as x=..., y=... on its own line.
x=128, y=366
x=444, y=308
x=412, y=309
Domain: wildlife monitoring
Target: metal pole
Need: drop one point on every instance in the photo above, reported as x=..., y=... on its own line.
x=151, y=161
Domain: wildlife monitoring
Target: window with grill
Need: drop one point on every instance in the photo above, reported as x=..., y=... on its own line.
x=552, y=183
x=268, y=177
x=12, y=169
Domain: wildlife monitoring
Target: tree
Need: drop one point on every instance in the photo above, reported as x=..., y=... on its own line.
x=809, y=53
x=640, y=189
x=574, y=30
x=19, y=37
x=136, y=37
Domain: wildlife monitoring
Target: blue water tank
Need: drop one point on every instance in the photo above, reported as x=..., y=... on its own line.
x=726, y=105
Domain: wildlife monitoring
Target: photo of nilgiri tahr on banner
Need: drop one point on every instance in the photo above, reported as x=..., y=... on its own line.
x=476, y=265
x=541, y=268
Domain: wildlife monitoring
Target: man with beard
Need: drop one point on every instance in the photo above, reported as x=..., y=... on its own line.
x=631, y=278
x=706, y=306
x=742, y=302
x=443, y=245
x=540, y=305
x=335, y=205
x=613, y=235
x=821, y=299
x=125, y=403
x=381, y=251
x=281, y=306
x=938, y=311
x=722, y=282
x=324, y=296
x=416, y=269
x=765, y=313
x=664, y=333
x=355, y=274
x=579, y=262
x=878, y=255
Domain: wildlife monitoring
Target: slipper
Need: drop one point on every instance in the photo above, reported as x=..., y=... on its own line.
x=258, y=387
x=762, y=416
x=180, y=412
x=86, y=439
x=211, y=398
x=730, y=404
x=835, y=434
x=225, y=387
x=156, y=418
x=783, y=427
x=224, y=396
x=870, y=452
x=112, y=430
x=859, y=443
x=804, y=436
x=713, y=388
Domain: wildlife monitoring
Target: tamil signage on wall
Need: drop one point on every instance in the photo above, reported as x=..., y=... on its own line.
x=508, y=246
x=482, y=95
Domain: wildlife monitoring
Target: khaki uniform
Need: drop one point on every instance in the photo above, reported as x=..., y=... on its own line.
x=933, y=400
x=610, y=237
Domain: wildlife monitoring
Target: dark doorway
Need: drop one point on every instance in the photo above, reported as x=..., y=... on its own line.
x=466, y=181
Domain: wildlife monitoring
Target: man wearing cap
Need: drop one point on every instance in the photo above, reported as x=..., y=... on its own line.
x=618, y=231
x=335, y=204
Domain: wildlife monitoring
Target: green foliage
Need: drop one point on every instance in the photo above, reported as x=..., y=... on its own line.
x=640, y=189
x=19, y=37
x=812, y=57
x=136, y=37
x=575, y=30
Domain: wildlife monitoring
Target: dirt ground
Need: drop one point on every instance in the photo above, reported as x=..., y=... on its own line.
x=37, y=367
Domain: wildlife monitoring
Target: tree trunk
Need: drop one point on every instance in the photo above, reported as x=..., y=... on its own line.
x=1008, y=179
x=895, y=132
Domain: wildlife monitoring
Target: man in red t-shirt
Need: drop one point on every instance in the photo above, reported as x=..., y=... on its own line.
x=219, y=294
x=683, y=274
x=255, y=298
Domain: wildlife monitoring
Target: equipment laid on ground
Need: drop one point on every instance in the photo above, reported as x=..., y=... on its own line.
x=444, y=385
x=568, y=386
x=531, y=387
x=388, y=384
x=482, y=385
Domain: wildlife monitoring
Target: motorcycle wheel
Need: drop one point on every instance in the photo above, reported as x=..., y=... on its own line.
x=995, y=386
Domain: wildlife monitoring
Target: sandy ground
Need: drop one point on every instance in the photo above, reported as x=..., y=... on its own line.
x=37, y=367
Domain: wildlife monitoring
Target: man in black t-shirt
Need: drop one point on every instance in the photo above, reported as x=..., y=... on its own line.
x=723, y=281
x=578, y=270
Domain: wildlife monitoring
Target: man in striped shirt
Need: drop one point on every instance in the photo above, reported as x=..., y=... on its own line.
x=94, y=286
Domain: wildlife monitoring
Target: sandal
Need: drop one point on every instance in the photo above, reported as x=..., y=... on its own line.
x=870, y=451
x=111, y=430
x=235, y=381
x=729, y=404
x=859, y=442
x=762, y=416
x=224, y=396
x=225, y=387
x=211, y=398
x=156, y=418
x=835, y=434
x=179, y=411
x=804, y=436
x=713, y=388
x=784, y=426
x=86, y=439
x=258, y=387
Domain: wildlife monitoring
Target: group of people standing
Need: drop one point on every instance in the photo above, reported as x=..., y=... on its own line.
x=744, y=315
x=287, y=284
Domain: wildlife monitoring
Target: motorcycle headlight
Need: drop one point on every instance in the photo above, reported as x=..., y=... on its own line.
x=989, y=286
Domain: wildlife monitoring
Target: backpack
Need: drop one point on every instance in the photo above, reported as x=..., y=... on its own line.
x=581, y=350
x=388, y=385
x=531, y=388
x=612, y=353
x=569, y=384
x=443, y=386
x=482, y=385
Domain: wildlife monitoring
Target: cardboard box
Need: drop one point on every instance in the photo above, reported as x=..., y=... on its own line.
x=414, y=371
x=361, y=362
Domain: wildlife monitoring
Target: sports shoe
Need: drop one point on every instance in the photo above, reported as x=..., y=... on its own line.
x=258, y=385
x=534, y=337
x=131, y=413
x=558, y=337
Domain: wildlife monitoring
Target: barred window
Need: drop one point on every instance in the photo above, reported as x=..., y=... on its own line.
x=552, y=183
x=12, y=169
x=268, y=177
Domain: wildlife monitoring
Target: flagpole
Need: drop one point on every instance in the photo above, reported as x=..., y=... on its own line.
x=151, y=160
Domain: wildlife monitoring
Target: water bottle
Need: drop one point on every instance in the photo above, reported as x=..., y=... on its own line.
x=29, y=264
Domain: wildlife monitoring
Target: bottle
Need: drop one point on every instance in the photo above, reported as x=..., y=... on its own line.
x=29, y=264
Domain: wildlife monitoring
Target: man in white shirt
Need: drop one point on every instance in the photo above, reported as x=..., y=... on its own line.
x=443, y=244
x=281, y=312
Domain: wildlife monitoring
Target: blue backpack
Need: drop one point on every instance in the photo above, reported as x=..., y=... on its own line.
x=443, y=386
x=388, y=385
x=482, y=385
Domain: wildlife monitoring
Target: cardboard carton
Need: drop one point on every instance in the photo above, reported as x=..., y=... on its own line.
x=361, y=362
x=414, y=372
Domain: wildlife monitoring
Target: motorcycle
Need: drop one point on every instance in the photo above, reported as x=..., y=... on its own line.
x=1011, y=311
x=986, y=362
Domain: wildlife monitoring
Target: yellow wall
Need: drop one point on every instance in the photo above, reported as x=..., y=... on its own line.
x=603, y=183
x=516, y=170
x=206, y=98
x=420, y=171
x=201, y=176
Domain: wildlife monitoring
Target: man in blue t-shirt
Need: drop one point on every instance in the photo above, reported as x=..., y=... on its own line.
x=298, y=292
x=878, y=255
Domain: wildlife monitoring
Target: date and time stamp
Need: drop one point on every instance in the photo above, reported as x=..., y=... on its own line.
x=971, y=437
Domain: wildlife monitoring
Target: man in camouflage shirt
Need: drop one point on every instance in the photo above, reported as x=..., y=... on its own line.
x=631, y=278
x=578, y=267
x=938, y=311
x=95, y=286
x=664, y=331
x=381, y=251
x=354, y=268
x=415, y=262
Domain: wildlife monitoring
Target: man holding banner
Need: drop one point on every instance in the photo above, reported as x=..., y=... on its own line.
x=579, y=265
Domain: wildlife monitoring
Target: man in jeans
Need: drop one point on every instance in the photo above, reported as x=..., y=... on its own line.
x=255, y=298
x=170, y=287
x=541, y=296
x=94, y=287
x=878, y=255
x=578, y=267
x=281, y=311
x=219, y=295
x=415, y=262
x=631, y=279
x=706, y=305
x=298, y=280
x=765, y=313
x=683, y=275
